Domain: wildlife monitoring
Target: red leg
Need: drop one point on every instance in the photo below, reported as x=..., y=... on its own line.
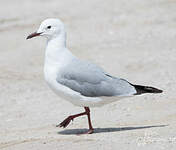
x=90, y=131
x=70, y=118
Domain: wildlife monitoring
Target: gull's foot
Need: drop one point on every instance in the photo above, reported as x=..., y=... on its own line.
x=90, y=131
x=65, y=122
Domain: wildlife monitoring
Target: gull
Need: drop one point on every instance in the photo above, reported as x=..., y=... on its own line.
x=80, y=82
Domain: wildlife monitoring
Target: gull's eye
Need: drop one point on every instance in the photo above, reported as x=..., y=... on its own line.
x=48, y=27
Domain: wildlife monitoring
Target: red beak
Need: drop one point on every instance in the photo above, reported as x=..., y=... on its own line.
x=33, y=35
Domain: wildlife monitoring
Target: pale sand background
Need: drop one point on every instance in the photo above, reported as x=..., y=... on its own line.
x=133, y=39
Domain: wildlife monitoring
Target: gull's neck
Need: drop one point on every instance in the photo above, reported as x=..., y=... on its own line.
x=56, y=49
x=58, y=41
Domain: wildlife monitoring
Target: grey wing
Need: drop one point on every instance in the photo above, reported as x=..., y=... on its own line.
x=90, y=80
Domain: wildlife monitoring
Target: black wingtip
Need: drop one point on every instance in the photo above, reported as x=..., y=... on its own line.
x=159, y=91
x=146, y=89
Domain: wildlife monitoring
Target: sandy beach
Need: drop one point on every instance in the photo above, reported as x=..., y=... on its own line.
x=134, y=40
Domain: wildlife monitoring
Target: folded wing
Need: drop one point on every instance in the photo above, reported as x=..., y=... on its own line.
x=90, y=80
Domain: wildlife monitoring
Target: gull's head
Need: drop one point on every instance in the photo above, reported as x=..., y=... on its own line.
x=49, y=28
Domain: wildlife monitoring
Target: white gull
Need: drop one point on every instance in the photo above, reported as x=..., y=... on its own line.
x=80, y=82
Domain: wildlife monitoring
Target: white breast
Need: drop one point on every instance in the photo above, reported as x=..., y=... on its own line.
x=55, y=60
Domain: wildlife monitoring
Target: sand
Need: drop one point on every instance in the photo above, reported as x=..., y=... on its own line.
x=135, y=40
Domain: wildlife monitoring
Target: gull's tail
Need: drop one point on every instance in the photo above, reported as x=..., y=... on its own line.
x=146, y=89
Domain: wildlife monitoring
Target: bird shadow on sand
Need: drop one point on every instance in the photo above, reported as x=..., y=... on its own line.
x=104, y=130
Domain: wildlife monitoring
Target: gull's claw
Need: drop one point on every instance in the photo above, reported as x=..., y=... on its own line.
x=65, y=122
